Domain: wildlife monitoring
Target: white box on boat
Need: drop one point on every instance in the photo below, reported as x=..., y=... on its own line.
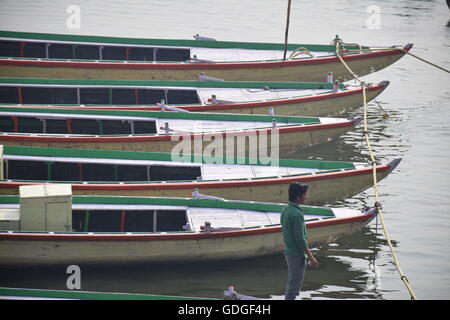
x=46, y=208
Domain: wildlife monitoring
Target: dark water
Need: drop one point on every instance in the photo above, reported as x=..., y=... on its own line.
x=415, y=197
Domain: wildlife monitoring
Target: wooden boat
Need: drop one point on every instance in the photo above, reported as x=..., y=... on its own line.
x=286, y=98
x=39, y=55
x=159, y=230
x=46, y=294
x=157, y=131
x=97, y=172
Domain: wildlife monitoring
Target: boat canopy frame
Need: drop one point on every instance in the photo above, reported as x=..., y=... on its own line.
x=102, y=214
x=64, y=47
x=129, y=92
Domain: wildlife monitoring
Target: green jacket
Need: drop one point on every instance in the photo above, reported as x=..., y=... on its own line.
x=294, y=230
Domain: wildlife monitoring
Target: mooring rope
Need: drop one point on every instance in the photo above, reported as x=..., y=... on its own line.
x=426, y=61
x=401, y=49
x=338, y=43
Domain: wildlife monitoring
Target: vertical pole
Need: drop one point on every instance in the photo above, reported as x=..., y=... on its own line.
x=22, y=45
x=136, y=96
x=16, y=123
x=49, y=171
x=86, y=221
x=122, y=221
x=166, y=128
x=100, y=127
x=1, y=162
x=80, y=171
x=110, y=95
x=154, y=221
x=19, y=93
x=287, y=30
x=78, y=96
x=116, y=173
x=69, y=126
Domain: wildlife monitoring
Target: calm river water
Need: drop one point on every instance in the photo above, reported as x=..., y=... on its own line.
x=415, y=197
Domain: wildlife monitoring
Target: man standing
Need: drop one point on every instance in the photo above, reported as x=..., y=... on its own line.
x=295, y=240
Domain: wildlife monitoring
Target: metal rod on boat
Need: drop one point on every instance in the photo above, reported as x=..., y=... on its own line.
x=287, y=30
x=166, y=128
x=165, y=107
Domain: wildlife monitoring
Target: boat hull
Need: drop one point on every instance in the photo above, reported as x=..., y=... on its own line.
x=163, y=248
x=290, y=139
x=323, y=105
x=310, y=69
x=325, y=187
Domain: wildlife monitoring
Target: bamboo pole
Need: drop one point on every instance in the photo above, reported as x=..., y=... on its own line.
x=286, y=33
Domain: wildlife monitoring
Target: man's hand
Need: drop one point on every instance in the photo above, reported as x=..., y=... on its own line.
x=312, y=262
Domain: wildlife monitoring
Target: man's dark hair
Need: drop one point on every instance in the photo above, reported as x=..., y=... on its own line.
x=296, y=189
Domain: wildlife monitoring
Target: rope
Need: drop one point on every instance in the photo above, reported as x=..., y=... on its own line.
x=426, y=61
x=373, y=261
x=339, y=42
x=300, y=50
x=385, y=115
x=377, y=199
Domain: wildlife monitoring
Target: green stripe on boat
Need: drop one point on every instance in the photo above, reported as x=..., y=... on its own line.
x=168, y=83
x=166, y=42
x=87, y=295
x=153, y=156
x=199, y=203
x=166, y=115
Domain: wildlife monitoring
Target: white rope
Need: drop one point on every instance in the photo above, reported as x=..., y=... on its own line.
x=339, y=42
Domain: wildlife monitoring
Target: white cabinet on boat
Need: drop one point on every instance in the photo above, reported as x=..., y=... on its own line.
x=46, y=208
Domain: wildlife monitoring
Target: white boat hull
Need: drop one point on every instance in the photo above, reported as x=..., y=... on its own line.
x=165, y=248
